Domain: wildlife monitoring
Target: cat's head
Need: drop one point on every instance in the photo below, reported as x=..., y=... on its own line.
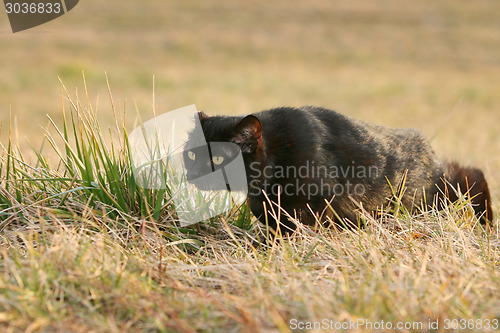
x=246, y=132
x=203, y=160
x=225, y=138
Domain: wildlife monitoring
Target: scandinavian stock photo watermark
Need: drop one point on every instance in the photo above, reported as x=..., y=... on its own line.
x=169, y=152
x=329, y=181
x=206, y=179
x=444, y=324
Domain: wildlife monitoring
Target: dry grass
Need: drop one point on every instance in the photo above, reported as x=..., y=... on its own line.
x=60, y=277
x=84, y=249
x=75, y=257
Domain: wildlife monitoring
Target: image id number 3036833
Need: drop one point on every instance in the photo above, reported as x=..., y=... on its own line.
x=33, y=7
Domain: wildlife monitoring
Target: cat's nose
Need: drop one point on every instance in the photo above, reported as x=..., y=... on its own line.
x=191, y=175
x=197, y=173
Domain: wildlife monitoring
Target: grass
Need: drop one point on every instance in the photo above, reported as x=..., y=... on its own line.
x=83, y=248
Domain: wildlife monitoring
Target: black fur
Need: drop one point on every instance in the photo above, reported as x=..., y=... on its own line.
x=339, y=148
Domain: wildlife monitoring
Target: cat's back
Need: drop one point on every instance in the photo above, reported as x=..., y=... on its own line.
x=292, y=127
x=343, y=130
x=339, y=138
x=316, y=129
x=313, y=121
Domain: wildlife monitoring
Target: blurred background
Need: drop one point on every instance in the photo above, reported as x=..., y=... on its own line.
x=430, y=65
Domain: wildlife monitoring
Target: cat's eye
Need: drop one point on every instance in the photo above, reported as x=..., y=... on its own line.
x=191, y=155
x=218, y=159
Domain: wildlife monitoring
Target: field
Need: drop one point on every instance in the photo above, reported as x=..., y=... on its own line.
x=82, y=249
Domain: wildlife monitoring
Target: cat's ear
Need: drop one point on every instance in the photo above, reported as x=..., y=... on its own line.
x=247, y=134
x=202, y=115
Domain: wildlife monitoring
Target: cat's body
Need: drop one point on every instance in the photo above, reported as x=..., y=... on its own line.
x=310, y=156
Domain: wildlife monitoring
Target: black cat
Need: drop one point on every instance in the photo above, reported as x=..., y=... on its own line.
x=317, y=162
